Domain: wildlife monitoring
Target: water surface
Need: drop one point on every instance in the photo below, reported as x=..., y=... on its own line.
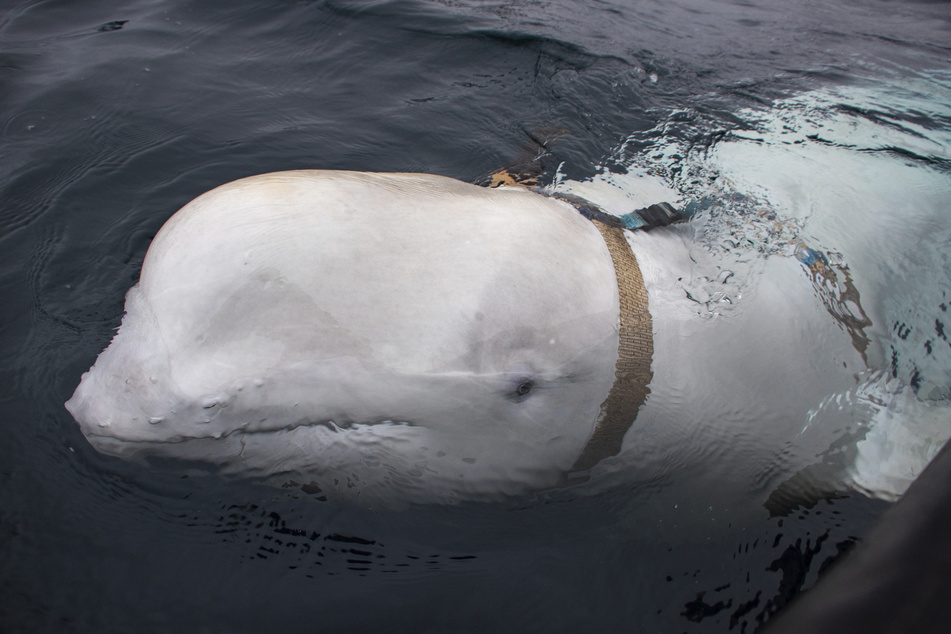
x=832, y=115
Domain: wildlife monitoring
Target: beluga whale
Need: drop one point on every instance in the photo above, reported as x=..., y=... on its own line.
x=410, y=338
x=389, y=335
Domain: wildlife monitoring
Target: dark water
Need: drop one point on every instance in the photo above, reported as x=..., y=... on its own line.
x=114, y=116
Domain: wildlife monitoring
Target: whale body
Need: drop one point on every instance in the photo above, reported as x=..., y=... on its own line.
x=413, y=338
x=399, y=331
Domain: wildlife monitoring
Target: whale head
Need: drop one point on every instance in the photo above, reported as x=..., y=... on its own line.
x=397, y=335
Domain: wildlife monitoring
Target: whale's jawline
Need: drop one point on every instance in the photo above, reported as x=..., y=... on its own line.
x=331, y=425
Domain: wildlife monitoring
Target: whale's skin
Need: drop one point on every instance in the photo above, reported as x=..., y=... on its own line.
x=412, y=338
x=390, y=335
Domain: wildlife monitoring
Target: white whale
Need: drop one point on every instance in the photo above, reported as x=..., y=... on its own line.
x=406, y=337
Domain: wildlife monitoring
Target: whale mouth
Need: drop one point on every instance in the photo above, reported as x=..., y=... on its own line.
x=103, y=442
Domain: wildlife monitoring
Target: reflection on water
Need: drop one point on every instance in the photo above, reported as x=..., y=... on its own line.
x=813, y=141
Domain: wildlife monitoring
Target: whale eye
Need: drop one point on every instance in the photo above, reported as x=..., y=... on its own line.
x=520, y=389
x=520, y=383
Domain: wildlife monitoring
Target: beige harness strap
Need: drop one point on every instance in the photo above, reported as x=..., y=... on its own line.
x=632, y=374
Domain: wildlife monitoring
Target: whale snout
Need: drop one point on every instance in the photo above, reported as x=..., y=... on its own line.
x=108, y=408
